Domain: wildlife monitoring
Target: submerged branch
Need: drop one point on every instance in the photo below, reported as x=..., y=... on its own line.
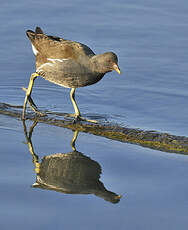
x=151, y=139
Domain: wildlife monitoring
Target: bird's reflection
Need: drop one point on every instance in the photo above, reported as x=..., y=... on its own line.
x=72, y=173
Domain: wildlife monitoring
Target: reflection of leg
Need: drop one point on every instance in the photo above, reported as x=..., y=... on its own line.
x=74, y=140
x=32, y=128
x=30, y=145
x=77, y=115
x=28, y=96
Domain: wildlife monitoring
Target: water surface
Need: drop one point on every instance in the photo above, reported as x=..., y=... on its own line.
x=153, y=184
x=150, y=39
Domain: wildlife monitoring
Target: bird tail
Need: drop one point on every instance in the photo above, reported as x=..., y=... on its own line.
x=32, y=35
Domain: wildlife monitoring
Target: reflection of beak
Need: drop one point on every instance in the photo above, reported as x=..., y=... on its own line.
x=118, y=197
x=116, y=68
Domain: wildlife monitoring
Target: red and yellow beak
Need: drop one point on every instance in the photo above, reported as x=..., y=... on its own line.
x=116, y=68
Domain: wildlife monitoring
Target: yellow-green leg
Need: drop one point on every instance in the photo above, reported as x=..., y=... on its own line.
x=28, y=96
x=72, y=96
x=77, y=115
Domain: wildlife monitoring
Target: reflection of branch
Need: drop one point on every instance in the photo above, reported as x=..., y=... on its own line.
x=30, y=145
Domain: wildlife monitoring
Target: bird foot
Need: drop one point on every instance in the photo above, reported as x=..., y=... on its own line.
x=37, y=114
x=40, y=114
x=78, y=118
x=87, y=120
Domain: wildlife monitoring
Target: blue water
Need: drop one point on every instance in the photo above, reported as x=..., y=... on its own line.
x=150, y=39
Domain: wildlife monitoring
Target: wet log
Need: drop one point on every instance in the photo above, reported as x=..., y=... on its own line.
x=147, y=138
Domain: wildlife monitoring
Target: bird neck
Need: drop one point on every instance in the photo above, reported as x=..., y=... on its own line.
x=98, y=64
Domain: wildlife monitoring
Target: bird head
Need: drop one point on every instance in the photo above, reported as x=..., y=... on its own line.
x=107, y=62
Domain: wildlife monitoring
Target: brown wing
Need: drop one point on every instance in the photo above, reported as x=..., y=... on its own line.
x=55, y=47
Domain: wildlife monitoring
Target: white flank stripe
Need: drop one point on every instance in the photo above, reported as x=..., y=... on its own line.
x=40, y=67
x=35, y=51
x=57, y=59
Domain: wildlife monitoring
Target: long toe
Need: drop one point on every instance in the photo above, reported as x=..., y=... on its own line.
x=88, y=120
x=40, y=113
